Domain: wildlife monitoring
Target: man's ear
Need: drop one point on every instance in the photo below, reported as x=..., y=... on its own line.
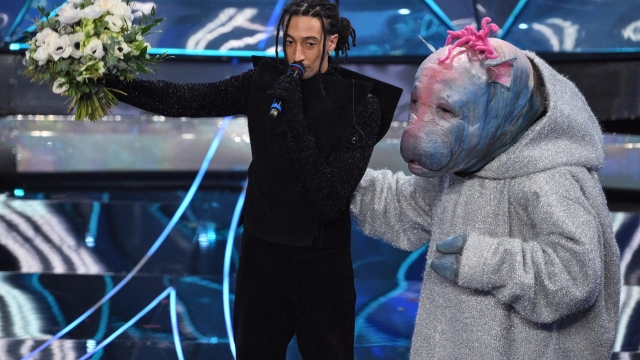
x=501, y=73
x=333, y=41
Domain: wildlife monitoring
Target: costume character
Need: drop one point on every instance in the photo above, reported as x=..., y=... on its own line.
x=522, y=261
x=295, y=274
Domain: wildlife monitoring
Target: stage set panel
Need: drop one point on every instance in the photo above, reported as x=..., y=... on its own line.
x=389, y=29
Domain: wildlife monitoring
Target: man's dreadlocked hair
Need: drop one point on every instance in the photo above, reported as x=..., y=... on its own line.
x=329, y=16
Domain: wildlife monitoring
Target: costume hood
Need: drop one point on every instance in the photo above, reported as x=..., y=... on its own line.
x=568, y=134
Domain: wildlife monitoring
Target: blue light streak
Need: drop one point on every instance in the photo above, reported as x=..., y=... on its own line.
x=272, y=22
x=154, y=247
x=402, y=286
x=201, y=282
x=186, y=320
x=93, y=220
x=92, y=232
x=227, y=266
x=53, y=13
x=55, y=309
x=124, y=327
x=209, y=52
x=443, y=17
x=512, y=17
x=19, y=18
x=174, y=324
x=104, y=316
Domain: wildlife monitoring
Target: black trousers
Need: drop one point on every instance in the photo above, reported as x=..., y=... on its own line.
x=285, y=290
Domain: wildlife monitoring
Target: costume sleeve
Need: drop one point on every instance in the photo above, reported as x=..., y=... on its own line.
x=222, y=98
x=395, y=208
x=328, y=185
x=554, y=266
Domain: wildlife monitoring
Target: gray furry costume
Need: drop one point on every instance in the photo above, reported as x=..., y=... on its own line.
x=539, y=274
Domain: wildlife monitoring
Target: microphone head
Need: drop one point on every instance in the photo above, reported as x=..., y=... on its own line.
x=296, y=68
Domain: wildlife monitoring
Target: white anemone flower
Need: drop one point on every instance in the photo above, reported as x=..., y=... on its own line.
x=92, y=12
x=53, y=37
x=115, y=22
x=41, y=55
x=60, y=48
x=75, y=42
x=121, y=49
x=42, y=36
x=94, y=48
x=69, y=14
x=58, y=88
x=123, y=10
x=107, y=5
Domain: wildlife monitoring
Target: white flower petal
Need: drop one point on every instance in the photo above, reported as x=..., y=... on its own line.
x=75, y=43
x=115, y=22
x=121, y=49
x=42, y=36
x=122, y=10
x=58, y=88
x=69, y=14
x=41, y=55
x=94, y=48
x=59, y=48
x=92, y=12
x=107, y=5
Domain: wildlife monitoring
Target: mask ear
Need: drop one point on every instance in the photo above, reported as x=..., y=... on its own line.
x=501, y=73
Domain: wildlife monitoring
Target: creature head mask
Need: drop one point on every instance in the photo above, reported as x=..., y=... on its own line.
x=469, y=103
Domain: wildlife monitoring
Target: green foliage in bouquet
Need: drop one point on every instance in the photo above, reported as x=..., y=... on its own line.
x=85, y=42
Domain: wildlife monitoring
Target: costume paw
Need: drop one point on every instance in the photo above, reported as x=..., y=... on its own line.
x=448, y=264
x=452, y=245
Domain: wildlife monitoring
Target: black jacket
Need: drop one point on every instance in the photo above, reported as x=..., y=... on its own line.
x=303, y=172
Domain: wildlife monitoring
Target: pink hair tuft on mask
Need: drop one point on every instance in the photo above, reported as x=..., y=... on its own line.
x=478, y=40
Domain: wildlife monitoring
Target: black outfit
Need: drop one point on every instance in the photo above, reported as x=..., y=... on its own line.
x=295, y=273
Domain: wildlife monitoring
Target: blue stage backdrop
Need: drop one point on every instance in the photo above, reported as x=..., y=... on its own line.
x=384, y=28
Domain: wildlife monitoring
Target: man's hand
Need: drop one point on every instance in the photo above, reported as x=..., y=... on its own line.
x=287, y=89
x=448, y=264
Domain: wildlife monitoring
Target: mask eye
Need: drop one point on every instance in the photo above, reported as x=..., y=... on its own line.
x=445, y=111
x=414, y=101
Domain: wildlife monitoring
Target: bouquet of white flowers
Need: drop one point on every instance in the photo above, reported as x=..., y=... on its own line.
x=84, y=42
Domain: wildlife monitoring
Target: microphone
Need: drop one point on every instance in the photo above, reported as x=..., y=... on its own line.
x=297, y=70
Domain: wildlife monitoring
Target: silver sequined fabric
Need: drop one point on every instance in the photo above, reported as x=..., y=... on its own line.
x=539, y=276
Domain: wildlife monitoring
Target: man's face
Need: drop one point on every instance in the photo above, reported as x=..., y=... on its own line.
x=303, y=42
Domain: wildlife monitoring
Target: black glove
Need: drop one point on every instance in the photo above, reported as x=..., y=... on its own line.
x=287, y=89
